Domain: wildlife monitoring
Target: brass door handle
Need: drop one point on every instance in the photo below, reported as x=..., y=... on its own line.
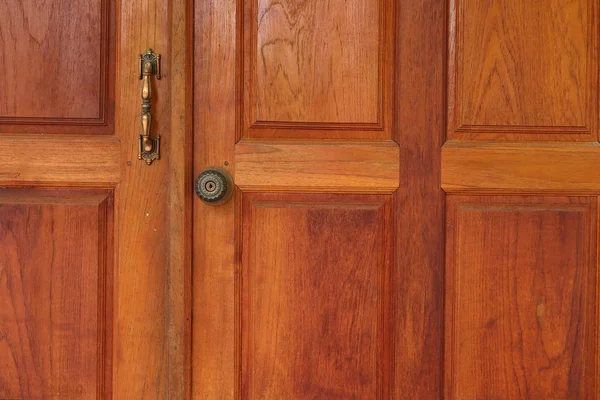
x=149, y=147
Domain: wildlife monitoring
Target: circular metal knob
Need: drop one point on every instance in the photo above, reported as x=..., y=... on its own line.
x=214, y=186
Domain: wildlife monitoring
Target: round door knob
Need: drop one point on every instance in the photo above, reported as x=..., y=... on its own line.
x=214, y=186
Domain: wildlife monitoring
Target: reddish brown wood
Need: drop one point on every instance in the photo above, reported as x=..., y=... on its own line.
x=59, y=160
x=142, y=210
x=314, y=286
x=214, y=230
x=56, y=279
x=317, y=166
x=521, y=309
x=568, y=168
x=178, y=289
x=59, y=66
x=315, y=69
x=60, y=63
x=419, y=272
x=523, y=71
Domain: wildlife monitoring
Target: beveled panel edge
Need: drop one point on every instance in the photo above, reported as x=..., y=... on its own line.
x=59, y=160
x=104, y=124
x=333, y=167
x=382, y=129
x=518, y=168
x=459, y=131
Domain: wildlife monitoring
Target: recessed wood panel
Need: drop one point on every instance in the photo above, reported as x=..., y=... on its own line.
x=57, y=66
x=521, y=298
x=55, y=285
x=315, y=317
x=317, y=68
x=525, y=70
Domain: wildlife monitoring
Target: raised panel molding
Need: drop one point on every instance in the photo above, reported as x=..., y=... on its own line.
x=316, y=70
x=56, y=274
x=523, y=70
x=58, y=72
x=521, y=298
x=314, y=309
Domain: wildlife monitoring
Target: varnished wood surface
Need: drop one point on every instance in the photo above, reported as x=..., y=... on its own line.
x=58, y=66
x=316, y=164
x=55, y=294
x=84, y=160
x=513, y=168
x=61, y=64
x=293, y=42
x=316, y=69
x=523, y=70
x=367, y=167
x=180, y=222
x=521, y=309
x=314, y=299
x=418, y=335
x=214, y=367
x=141, y=208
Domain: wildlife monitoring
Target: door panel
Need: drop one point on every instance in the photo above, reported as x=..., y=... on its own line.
x=316, y=70
x=59, y=67
x=523, y=71
x=314, y=290
x=55, y=293
x=521, y=278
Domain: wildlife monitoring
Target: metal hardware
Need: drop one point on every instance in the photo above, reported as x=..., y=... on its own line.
x=214, y=186
x=149, y=147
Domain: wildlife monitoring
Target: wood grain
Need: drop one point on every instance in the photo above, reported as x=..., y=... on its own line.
x=315, y=296
x=58, y=66
x=179, y=271
x=214, y=367
x=142, y=211
x=523, y=70
x=317, y=166
x=316, y=69
x=418, y=277
x=521, y=310
x=84, y=160
x=521, y=168
x=55, y=294
x=295, y=41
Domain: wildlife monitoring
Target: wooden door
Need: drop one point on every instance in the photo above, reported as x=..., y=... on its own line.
x=519, y=170
x=416, y=207
x=87, y=231
x=321, y=278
